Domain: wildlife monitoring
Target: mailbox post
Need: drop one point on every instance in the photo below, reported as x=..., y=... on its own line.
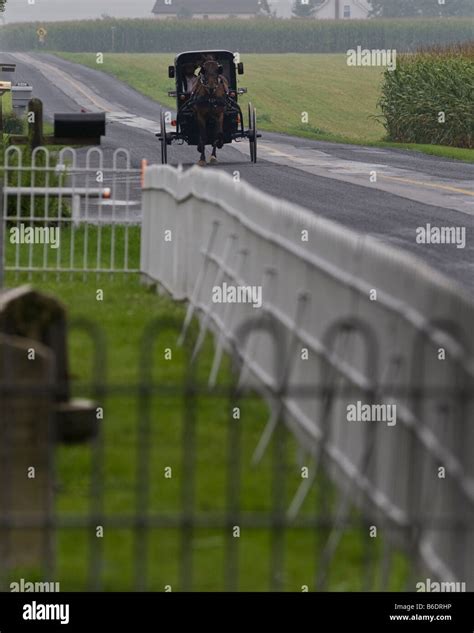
x=69, y=129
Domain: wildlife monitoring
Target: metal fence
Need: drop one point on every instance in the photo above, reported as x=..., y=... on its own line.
x=70, y=211
x=227, y=523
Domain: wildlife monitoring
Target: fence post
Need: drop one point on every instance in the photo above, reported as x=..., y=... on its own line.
x=26, y=495
x=35, y=127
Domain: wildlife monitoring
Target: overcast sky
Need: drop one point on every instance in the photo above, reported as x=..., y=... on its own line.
x=48, y=10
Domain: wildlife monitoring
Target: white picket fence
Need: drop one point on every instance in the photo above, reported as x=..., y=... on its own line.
x=355, y=321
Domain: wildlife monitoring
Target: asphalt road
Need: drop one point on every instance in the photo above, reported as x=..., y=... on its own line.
x=333, y=180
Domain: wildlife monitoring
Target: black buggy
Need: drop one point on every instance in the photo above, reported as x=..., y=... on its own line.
x=185, y=123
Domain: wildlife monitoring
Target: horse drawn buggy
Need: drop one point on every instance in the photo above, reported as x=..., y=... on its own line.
x=207, y=107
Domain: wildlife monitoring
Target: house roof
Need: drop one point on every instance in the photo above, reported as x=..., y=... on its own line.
x=231, y=7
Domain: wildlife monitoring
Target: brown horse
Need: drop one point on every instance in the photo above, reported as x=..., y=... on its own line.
x=209, y=99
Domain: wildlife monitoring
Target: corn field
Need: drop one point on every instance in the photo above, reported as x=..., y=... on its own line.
x=429, y=98
x=262, y=35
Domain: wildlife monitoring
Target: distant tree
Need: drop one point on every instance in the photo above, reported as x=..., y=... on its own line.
x=264, y=7
x=2, y=5
x=305, y=8
x=425, y=8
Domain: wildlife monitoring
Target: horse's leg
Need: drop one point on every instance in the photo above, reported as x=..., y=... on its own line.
x=213, y=158
x=201, y=119
x=219, y=140
x=220, y=130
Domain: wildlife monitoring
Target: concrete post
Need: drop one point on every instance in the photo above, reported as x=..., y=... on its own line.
x=26, y=465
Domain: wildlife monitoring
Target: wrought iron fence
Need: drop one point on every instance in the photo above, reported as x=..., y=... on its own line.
x=218, y=521
x=71, y=211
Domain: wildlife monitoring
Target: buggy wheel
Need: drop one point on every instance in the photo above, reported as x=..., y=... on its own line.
x=164, y=146
x=253, y=134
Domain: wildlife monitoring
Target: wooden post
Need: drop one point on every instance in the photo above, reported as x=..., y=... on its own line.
x=35, y=128
x=26, y=465
x=35, y=413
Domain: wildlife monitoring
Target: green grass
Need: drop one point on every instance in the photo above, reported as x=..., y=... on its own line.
x=7, y=102
x=103, y=248
x=122, y=317
x=444, y=151
x=341, y=101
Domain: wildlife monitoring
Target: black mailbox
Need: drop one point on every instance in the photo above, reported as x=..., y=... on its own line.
x=81, y=125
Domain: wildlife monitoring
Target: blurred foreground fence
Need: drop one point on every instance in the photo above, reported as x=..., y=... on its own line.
x=188, y=543
x=338, y=332
x=363, y=356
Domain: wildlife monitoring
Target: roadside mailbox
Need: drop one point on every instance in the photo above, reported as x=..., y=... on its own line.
x=90, y=125
x=6, y=68
x=21, y=95
x=79, y=128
